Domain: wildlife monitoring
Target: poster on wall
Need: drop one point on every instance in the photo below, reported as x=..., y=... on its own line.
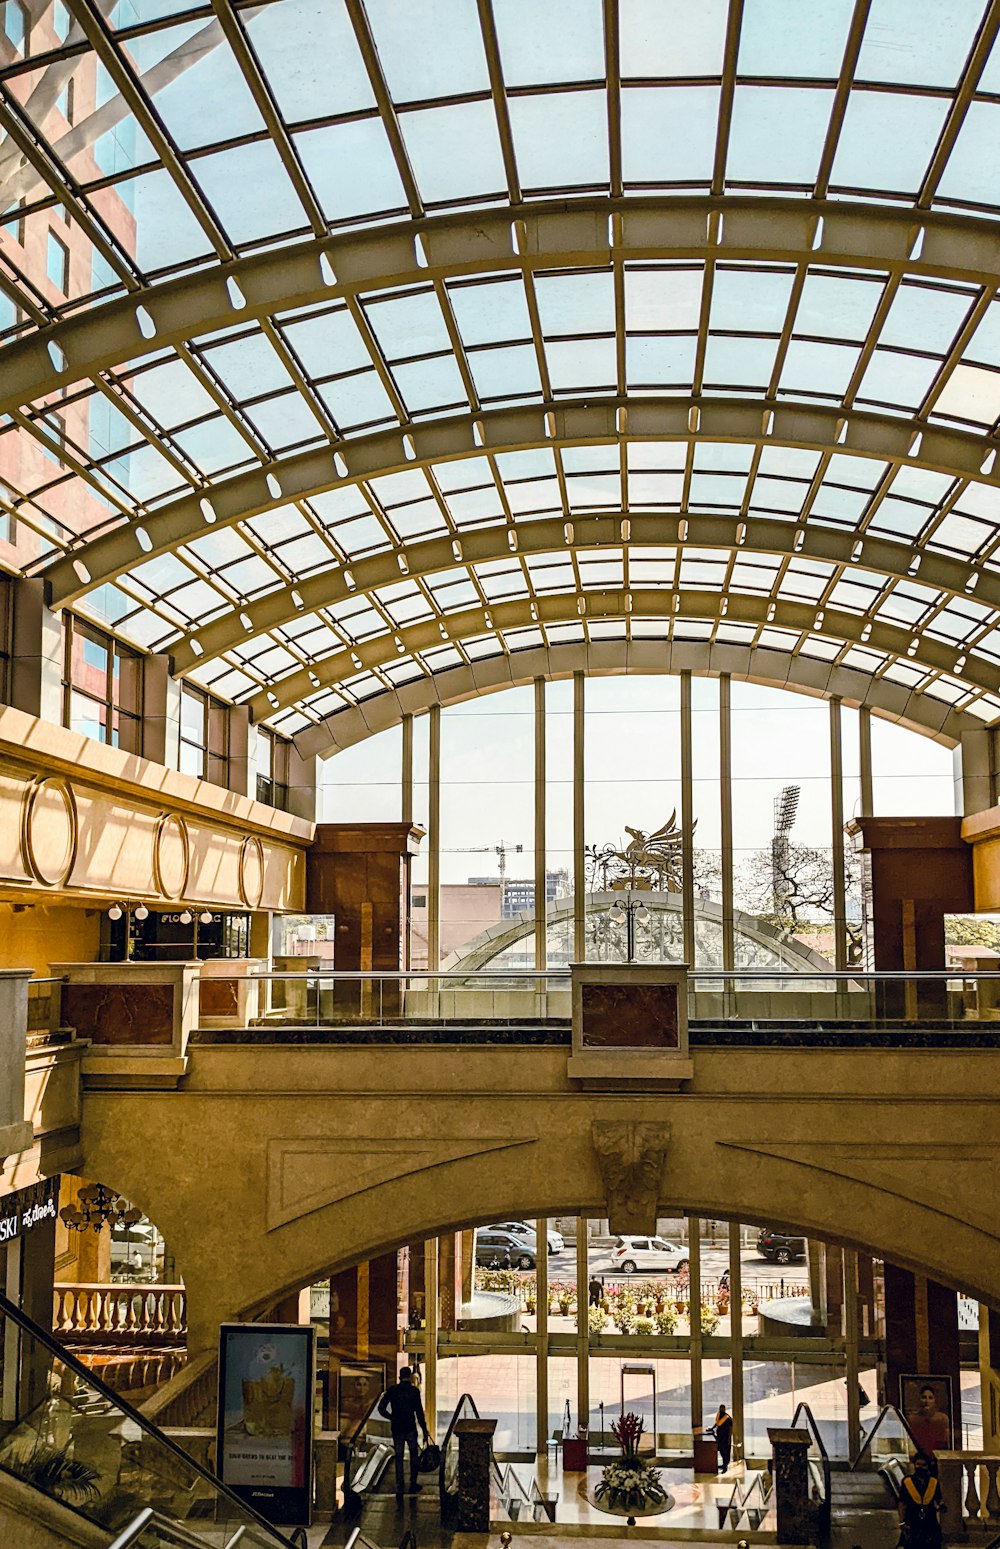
x=265, y=1423
x=926, y=1406
x=361, y=1383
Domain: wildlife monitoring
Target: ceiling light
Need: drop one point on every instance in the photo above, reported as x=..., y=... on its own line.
x=115, y=912
x=142, y=913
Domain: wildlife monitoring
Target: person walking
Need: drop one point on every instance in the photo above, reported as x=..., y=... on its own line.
x=594, y=1291
x=402, y=1406
x=723, y=1428
x=920, y=1506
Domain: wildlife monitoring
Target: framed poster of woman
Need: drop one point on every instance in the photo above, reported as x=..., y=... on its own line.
x=926, y=1406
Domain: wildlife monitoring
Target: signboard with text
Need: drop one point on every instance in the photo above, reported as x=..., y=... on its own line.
x=27, y=1208
x=265, y=1429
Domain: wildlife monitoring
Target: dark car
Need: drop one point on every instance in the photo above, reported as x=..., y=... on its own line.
x=502, y=1250
x=779, y=1247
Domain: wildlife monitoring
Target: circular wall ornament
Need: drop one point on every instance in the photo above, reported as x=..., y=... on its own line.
x=252, y=871
x=171, y=855
x=50, y=830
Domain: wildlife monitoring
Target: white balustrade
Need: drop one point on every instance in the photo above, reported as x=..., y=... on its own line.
x=120, y=1314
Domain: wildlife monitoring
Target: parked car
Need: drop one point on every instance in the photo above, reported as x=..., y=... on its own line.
x=525, y=1230
x=779, y=1247
x=632, y=1253
x=495, y=1249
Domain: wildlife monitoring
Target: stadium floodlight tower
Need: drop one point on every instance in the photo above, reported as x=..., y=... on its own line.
x=786, y=805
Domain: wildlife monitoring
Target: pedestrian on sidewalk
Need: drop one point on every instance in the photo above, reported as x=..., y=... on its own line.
x=402, y=1406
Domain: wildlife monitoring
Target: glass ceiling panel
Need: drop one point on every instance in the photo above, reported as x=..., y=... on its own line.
x=167, y=152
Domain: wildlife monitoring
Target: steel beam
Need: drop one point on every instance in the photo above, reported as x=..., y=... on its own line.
x=576, y=422
x=937, y=656
x=774, y=668
x=557, y=234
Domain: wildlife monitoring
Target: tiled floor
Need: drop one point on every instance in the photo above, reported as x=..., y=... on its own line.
x=695, y=1513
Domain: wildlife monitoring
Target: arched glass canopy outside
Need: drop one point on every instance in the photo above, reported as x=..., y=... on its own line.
x=349, y=344
x=659, y=939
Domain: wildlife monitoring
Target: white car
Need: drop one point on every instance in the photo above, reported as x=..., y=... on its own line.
x=632, y=1253
x=523, y=1229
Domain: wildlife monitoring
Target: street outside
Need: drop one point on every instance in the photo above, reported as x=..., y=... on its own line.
x=714, y=1263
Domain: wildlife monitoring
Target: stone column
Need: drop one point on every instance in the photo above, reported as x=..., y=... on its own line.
x=475, y=1447
x=161, y=712
x=790, y=1470
x=449, y=1279
x=921, y=1336
x=242, y=771
x=36, y=657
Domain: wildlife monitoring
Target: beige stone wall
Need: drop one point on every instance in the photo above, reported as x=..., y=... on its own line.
x=273, y=1166
x=82, y=821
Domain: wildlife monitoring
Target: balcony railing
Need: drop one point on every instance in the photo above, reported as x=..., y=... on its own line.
x=86, y=1313
x=722, y=1006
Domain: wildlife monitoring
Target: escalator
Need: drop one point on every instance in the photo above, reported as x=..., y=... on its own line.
x=66, y=1437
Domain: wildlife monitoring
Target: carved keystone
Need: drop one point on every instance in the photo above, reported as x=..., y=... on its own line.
x=631, y=1158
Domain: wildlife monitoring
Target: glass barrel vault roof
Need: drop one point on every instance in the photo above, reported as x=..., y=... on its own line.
x=346, y=342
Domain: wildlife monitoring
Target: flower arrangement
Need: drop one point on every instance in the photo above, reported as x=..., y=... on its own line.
x=597, y=1320
x=630, y=1483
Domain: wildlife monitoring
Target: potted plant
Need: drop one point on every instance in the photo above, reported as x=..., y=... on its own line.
x=630, y=1484
x=597, y=1320
x=666, y=1320
x=643, y=1325
x=710, y=1319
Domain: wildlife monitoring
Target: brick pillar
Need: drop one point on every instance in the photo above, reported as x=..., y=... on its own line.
x=790, y=1471
x=359, y=872
x=914, y=872
x=475, y=1442
x=921, y=1338
x=449, y=1279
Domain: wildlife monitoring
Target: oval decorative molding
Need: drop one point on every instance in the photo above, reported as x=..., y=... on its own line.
x=171, y=855
x=252, y=871
x=50, y=830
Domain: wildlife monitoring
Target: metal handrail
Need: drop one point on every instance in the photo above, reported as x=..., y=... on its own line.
x=465, y=1399
x=844, y=975
x=884, y=1412
x=350, y=1446
x=116, y=1401
x=171, y=1534
x=823, y=1462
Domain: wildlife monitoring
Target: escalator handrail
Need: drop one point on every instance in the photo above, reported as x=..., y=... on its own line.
x=823, y=1460
x=457, y=1415
x=29, y=1326
x=803, y=1409
x=352, y=1441
x=887, y=1409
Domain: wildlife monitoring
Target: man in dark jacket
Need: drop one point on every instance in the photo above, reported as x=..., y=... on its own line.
x=402, y=1407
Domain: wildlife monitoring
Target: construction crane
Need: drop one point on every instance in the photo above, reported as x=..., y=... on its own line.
x=500, y=850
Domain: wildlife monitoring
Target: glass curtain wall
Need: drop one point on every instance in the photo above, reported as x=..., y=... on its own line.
x=716, y=807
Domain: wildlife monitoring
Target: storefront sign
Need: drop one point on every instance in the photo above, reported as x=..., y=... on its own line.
x=27, y=1208
x=265, y=1431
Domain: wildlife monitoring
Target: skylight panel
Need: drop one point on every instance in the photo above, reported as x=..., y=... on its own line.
x=774, y=495
x=284, y=421
x=351, y=168
x=777, y=134
x=658, y=455
x=334, y=506
x=360, y=536
x=984, y=346
x=653, y=363
x=962, y=535
x=250, y=192
x=222, y=547
x=749, y=300
x=145, y=473
x=901, y=518
x=305, y=554
x=430, y=384
x=213, y=445
x=577, y=364
x=894, y=377
x=508, y=372
x=475, y=505
x=561, y=139
x=295, y=42
x=533, y=462
x=972, y=174
x=672, y=37
x=408, y=325
x=535, y=495
x=166, y=231
x=429, y=48
x=576, y=303
x=784, y=37
x=491, y=312
x=924, y=317
x=918, y=42
x=723, y=456
x=835, y=307
x=357, y=400
x=419, y=520
x=664, y=300
x=248, y=366
x=327, y=344
x=793, y=461
x=718, y=489
x=208, y=101
x=198, y=602
x=887, y=140
x=971, y=393
x=464, y=473
x=655, y=489
x=250, y=576
x=594, y=489
x=668, y=133
x=455, y=151
x=818, y=369
x=739, y=362
x=562, y=40
x=835, y=503
x=590, y=459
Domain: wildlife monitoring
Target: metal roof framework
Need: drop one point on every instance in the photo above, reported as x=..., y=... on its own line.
x=681, y=335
